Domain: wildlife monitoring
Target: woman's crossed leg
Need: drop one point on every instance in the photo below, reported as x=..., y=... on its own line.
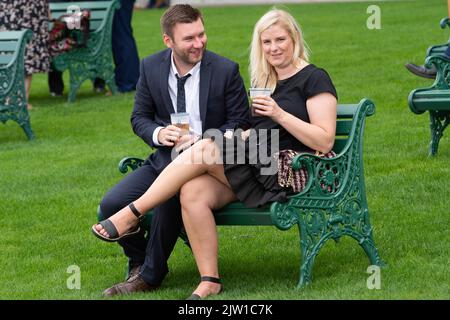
x=198, y=198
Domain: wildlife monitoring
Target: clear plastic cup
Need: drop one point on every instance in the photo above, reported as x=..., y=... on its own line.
x=181, y=120
x=254, y=92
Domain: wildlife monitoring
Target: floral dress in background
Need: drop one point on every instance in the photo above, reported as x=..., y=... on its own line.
x=27, y=14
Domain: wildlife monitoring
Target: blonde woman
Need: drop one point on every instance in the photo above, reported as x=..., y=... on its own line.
x=302, y=108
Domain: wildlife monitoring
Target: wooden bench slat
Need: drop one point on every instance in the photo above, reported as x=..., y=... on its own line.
x=339, y=144
x=10, y=35
x=343, y=127
x=8, y=46
x=435, y=100
x=5, y=58
x=346, y=111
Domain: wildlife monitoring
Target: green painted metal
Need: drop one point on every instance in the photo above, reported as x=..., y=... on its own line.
x=436, y=98
x=13, y=101
x=332, y=205
x=96, y=60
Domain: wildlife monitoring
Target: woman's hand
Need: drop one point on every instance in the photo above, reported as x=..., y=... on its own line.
x=266, y=106
x=245, y=134
x=185, y=141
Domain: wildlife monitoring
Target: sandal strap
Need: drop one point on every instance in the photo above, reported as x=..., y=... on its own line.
x=211, y=279
x=136, y=212
x=110, y=228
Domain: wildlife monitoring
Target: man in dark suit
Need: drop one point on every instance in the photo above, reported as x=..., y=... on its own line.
x=183, y=78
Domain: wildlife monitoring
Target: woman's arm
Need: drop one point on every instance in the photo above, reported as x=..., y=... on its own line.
x=319, y=134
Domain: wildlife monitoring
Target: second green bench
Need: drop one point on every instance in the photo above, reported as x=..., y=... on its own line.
x=96, y=59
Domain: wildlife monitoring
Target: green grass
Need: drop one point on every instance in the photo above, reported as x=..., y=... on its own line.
x=50, y=188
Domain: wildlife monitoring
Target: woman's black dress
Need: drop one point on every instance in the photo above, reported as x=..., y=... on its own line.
x=252, y=187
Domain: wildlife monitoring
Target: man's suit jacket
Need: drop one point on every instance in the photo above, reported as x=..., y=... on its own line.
x=223, y=99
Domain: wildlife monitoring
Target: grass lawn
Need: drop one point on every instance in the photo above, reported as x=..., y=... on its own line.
x=50, y=188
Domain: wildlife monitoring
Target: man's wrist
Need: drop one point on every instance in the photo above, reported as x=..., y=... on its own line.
x=155, y=136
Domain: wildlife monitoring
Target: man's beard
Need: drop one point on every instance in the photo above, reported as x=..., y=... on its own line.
x=184, y=57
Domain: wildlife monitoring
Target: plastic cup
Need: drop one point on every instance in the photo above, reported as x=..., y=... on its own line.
x=181, y=120
x=254, y=92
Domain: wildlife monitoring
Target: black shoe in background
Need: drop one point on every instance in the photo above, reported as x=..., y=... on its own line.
x=99, y=85
x=421, y=71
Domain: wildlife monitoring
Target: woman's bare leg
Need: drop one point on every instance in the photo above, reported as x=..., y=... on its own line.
x=198, y=198
x=202, y=158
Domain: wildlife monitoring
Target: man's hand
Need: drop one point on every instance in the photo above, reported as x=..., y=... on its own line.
x=169, y=135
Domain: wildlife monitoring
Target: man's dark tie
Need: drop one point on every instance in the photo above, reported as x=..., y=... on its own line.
x=181, y=97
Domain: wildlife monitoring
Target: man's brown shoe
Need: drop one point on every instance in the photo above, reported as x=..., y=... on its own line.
x=133, y=271
x=132, y=285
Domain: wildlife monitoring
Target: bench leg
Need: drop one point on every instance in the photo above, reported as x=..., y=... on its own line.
x=23, y=119
x=27, y=128
x=74, y=86
x=361, y=230
x=310, y=226
x=368, y=244
x=112, y=86
x=316, y=227
x=438, y=123
x=111, y=83
x=78, y=74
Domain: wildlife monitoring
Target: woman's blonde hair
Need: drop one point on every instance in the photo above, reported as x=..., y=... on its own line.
x=262, y=74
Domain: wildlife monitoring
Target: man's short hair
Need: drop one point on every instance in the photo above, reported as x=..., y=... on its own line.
x=179, y=13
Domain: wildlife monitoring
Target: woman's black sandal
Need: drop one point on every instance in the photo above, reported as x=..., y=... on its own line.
x=112, y=230
x=195, y=296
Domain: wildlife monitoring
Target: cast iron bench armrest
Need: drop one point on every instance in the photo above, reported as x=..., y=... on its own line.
x=444, y=23
x=130, y=163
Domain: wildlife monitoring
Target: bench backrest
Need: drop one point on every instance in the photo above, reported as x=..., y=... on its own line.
x=345, y=122
x=12, y=52
x=99, y=10
x=9, y=46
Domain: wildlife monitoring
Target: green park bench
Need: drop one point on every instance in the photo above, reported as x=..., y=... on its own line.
x=96, y=59
x=13, y=99
x=436, y=98
x=333, y=203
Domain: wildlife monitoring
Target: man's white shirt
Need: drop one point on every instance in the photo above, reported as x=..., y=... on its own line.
x=192, y=94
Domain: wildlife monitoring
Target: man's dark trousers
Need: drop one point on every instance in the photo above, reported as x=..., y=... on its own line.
x=165, y=227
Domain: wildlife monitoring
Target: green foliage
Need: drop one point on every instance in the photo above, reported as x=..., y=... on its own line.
x=50, y=188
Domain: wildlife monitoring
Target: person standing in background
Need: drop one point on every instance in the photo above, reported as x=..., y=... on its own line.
x=125, y=52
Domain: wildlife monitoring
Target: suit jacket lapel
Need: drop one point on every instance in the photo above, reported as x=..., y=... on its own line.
x=164, y=81
x=205, y=77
